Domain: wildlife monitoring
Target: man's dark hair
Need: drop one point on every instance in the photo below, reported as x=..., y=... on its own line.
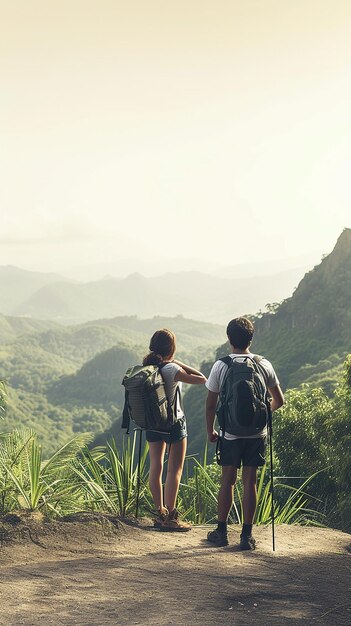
x=240, y=332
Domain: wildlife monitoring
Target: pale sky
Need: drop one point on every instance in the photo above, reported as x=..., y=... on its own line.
x=200, y=128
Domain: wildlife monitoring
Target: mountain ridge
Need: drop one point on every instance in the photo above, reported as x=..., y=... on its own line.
x=193, y=294
x=315, y=321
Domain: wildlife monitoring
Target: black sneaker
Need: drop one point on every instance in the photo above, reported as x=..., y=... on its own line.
x=218, y=538
x=247, y=542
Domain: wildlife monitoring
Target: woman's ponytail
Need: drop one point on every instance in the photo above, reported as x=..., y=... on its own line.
x=152, y=359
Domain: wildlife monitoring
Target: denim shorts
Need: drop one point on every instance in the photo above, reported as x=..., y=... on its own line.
x=249, y=452
x=177, y=433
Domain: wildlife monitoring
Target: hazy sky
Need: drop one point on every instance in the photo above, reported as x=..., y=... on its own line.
x=197, y=128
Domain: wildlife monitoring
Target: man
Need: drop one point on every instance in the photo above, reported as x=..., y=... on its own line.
x=235, y=450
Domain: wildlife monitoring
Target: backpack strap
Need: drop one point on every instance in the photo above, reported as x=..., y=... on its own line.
x=256, y=358
x=126, y=413
x=227, y=360
x=177, y=401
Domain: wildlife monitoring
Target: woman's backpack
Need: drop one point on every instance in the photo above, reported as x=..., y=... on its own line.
x=146, y=402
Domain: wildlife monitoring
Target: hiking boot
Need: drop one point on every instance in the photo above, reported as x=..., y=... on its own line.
x=172, y=523
x=247, y=542
x=217, y=538
x=160, y=517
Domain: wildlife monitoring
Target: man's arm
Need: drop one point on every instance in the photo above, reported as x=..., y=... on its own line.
x=277, y=397
x=211, y=403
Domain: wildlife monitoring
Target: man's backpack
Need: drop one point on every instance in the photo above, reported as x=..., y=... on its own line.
x=146, y=402
x=242, y=407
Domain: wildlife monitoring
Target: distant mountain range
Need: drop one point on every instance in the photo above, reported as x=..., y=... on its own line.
x=17, y=285
x=66, y=379
x=245, y=269
x=195, y=295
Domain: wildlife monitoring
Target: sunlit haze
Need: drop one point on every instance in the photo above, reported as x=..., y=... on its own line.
x=213, y=131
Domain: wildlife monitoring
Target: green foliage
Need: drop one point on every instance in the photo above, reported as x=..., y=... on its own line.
x=290, y=503
x=325, y=374
x=108, y=479
x=338, y=427
x=77, y=479
x=63, y=381
x=29, y=482
x=199, y=490
x=198, y=498
x=97, y=382
x=312, y=432
x=300, y=440
x=25, y=365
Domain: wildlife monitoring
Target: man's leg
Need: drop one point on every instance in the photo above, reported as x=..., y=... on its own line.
x=226, y=491
x=249, y=477
x=225, y=500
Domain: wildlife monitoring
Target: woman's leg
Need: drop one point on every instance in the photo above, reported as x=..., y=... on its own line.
x=156, y=452
x=174, y=472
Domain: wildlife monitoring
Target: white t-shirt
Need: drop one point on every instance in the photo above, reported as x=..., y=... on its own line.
x=216, y=378
x=168, y=372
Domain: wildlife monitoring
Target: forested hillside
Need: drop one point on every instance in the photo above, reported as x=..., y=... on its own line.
x=315, y=323
x=308, y=335
x=66, y=380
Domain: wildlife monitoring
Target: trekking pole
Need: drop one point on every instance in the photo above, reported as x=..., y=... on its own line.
x=270, y=428
x=138, y=476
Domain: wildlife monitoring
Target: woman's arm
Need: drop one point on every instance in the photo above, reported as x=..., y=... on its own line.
x=189, y=375
x=187, y=368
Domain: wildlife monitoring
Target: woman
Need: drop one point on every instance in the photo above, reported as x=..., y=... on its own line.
x=162, y=349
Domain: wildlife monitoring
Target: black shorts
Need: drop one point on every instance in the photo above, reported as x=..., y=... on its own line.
x=249, y=452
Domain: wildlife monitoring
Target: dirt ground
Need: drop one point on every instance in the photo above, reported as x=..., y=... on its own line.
x=97, y=570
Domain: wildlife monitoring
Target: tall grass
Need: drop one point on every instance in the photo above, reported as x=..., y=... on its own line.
x=198, y=496
x=29, y=482
x=109, y=479
x=106, y=480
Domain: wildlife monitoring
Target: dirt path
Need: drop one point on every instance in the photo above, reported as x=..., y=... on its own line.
x=105, y=572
